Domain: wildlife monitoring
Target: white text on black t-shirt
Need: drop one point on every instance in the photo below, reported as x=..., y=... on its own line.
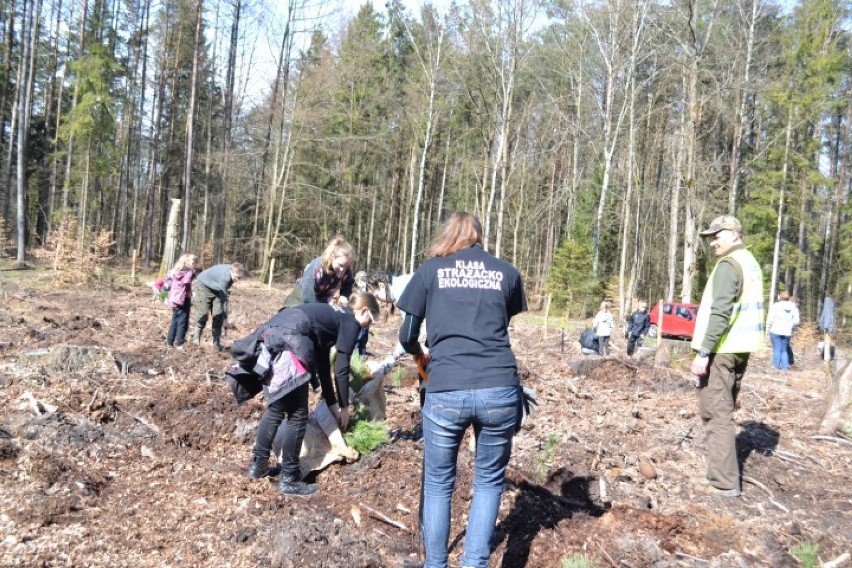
x=470, y=274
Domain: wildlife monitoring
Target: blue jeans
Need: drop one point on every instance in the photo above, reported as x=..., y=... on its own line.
x=493, y=412
x=780, y=353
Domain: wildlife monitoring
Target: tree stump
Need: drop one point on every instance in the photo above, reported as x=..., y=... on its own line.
x=839, y=413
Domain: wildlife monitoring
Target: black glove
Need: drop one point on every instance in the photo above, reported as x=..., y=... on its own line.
x=528, y=404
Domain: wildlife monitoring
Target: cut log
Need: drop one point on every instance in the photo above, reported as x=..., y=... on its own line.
x=839, y=414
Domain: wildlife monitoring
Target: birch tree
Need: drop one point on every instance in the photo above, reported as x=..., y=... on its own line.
x=190, y=131
x=429, y=58
x=607, y=35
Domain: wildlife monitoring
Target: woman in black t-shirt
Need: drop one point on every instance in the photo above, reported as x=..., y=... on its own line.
x=467, y=298
x=299, y=341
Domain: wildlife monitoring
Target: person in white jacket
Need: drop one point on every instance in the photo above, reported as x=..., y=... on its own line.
x=782, y=320
x=603, y=325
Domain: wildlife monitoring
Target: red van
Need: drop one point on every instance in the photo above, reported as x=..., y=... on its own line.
x=678, y=319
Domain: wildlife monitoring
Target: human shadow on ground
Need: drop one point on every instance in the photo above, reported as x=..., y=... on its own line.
x=537, y=508
x=755, y=437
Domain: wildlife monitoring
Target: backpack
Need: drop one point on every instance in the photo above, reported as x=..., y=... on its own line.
x=588, y=339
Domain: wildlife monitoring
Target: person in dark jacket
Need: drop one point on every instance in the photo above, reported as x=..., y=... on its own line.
x=295, y=344
x=467, y=298
x=326, y=278
x=638, y=326
x=210, y=293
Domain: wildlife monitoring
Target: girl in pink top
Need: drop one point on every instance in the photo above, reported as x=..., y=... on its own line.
x=180, y=299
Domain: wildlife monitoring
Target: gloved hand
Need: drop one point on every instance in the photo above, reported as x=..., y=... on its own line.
x=341, y=415
x=528, y=405
x=343, y=419
x=422, y=359
x=530, y=401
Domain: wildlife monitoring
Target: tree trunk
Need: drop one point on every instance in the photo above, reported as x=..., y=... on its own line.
x=610, y=56
x=839, y=413
x=674, y=211
x=695, y=50
x=190, y=131
x=835, y=210
x=281, y=79
x=776, y=254
x=170, y=247
x=28, y=42
x=66, y=182
x=739, y=132
x=221, y=210
x=4, y=99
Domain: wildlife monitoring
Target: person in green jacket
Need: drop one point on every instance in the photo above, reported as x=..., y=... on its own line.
x=210, y=294
x=728, y=329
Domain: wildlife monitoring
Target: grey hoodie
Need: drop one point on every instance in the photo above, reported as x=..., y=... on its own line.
x=783, y=318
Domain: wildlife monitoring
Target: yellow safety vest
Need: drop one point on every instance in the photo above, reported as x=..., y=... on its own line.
x=745, y=330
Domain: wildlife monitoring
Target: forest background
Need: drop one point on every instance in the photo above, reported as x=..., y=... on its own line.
x=593, y=138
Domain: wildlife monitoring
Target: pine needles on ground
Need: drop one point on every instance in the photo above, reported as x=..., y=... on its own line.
x=359, y=374
x=366, y=436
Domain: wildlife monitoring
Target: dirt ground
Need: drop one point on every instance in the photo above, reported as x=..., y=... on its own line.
x=115, y=451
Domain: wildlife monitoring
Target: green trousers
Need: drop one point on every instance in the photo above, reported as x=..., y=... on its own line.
x=717, y=397
x=204, y=302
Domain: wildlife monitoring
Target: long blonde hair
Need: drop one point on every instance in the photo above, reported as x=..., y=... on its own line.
x=461, y=231
x=336, y=247
x=186, y=260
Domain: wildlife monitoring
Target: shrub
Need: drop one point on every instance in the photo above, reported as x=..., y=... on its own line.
x=396, y=377
x=359, y=374
x=547, y=454
x=807, y=553
x=366, y=436
x=578, y=561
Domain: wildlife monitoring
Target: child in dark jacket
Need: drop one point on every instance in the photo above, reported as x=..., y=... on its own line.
x=638, y=326
x=180, y=299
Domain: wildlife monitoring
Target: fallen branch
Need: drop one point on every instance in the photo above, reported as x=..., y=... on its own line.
x=690, y=557
x=596, y=460
x=836, y=440
x=837, y=562
x=384, y=518
x=758, y=397
x=608, y=557
x=141, y=421
x=146, y=423
x=94, y=397
x=765, y=488
x=38, y=407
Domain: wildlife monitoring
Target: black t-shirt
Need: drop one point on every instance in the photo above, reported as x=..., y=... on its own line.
x=467, y=300
x=332, y=326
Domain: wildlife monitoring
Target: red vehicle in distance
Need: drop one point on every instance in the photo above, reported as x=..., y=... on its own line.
x=678, y=320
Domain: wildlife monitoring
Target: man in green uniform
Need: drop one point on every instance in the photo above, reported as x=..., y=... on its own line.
x=728, y=328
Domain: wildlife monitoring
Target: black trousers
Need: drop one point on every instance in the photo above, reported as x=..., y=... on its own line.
x=603, y=345
x=632, y=343
x=287, y=435
x=180, y=322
